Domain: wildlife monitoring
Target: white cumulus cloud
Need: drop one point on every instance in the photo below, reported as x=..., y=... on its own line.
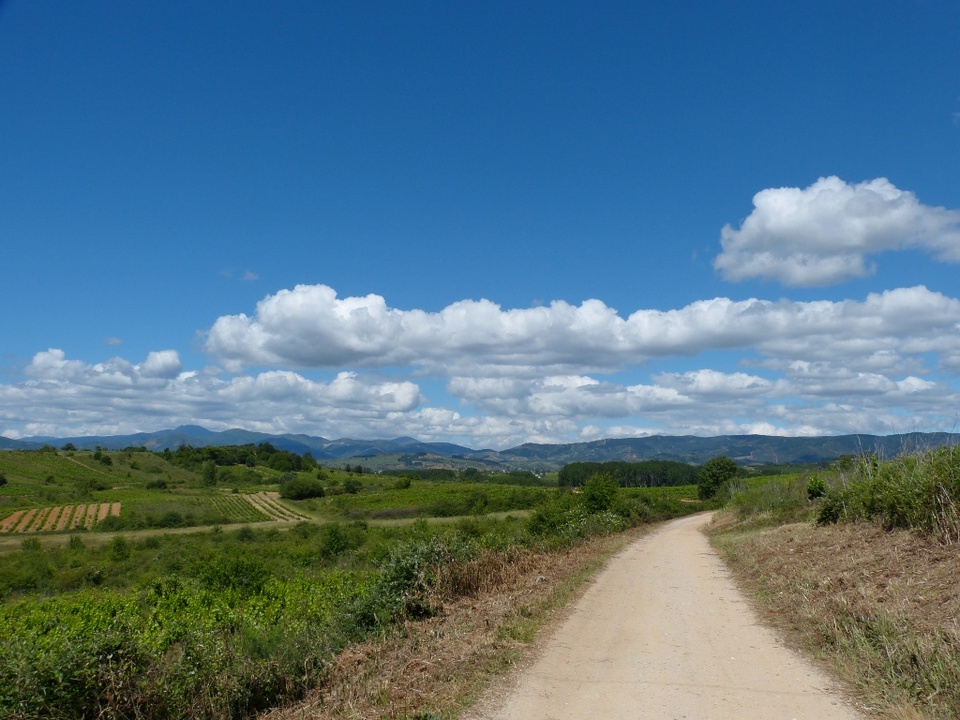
x=825, y=233
x=62, y=396
x=310, y=326
x=162, y=364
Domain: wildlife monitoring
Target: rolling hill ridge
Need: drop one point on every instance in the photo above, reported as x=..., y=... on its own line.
x=410, y=452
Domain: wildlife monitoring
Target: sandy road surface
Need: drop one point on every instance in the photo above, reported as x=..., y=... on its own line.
x=663, y=633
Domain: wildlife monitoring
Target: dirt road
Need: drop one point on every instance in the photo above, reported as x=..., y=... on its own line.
x=663, y=633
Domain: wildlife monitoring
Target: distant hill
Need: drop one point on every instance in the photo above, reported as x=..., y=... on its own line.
x=8, y=444
x=409, y=452
x=744, y=449
x=320, y=448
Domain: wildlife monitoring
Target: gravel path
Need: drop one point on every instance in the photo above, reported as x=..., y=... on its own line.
x=664, y=633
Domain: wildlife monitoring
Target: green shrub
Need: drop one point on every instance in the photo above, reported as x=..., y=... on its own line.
x=119, y=548
x=336, y=539
x=599, y=493
x=567, y=517
x=177, y=649
x=919, y=491
x=816, y=487
x=31, y=544
x=302, y=488
x=777, y=499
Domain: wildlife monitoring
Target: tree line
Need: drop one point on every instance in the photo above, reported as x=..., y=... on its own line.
x=646, y=473
x=264, y=455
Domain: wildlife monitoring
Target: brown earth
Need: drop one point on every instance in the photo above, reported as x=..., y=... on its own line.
x=55, y=518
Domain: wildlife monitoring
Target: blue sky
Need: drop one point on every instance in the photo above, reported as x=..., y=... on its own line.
x=488, y=223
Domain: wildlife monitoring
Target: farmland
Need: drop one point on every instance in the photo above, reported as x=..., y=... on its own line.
x=192, y=580
x=59, y=518
x=63, y=492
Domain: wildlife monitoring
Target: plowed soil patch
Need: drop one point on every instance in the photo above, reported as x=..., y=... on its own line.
x=58, y=518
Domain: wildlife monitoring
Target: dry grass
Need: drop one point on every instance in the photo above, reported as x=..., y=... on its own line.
x=881, y=607
x=436, y=667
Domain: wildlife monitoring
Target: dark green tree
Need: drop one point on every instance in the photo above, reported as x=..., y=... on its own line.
x=712, y=476
x=301, y=488
x=209, y=473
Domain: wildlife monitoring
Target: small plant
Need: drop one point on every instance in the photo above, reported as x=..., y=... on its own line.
x=31, y=545
x=816, y=487
x=119, y=548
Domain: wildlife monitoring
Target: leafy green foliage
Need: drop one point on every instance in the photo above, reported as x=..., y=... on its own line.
x=920, y=491
x=714, y=474
x=599, y=493
x=224, y=624
x=770, y=499
x=648, y=473
x=178, y=649
x=816, y=487
x=301, y=488
x=209, y=473
x=429, y=500
x=264, y=455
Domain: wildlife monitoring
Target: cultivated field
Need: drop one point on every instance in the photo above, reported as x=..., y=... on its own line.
x=256, y=507
x=59, y=518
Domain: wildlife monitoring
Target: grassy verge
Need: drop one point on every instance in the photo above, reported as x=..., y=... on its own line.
x=436, y=667
x=879, y=604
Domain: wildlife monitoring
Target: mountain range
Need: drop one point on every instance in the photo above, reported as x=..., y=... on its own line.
x=406, y=452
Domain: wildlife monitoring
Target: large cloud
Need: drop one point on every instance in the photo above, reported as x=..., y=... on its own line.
x=310, y=327
x=823, y=234
x=119, y=397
